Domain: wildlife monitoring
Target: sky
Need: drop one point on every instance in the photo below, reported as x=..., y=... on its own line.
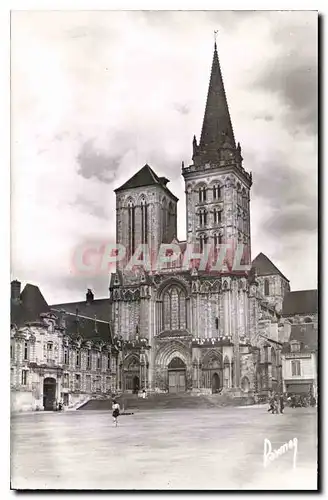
x=96, y=95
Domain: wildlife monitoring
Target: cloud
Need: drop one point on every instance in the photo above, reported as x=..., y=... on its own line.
x=129, y=88
x=94, y=163
x=292, y=74
x=90, y=207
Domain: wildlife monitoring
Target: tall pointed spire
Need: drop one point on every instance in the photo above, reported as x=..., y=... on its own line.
x=217, y=128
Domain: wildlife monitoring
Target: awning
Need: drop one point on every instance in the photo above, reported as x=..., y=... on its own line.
x=299, y=388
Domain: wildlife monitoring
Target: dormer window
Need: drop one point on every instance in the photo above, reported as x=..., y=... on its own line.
x=295, y=346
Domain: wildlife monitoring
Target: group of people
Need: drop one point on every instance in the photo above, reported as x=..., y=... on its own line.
x=276, y=403
x=301, y=400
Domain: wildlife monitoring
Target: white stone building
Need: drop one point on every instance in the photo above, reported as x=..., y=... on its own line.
x=299, y=361
x=57, y=356
x=184, y=329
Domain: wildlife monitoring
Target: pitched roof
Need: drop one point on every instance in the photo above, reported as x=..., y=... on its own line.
x=29, y=307
x=264, y=266
x=98, y=307
x=217, y=123
x=306, y=334
x=87, y=328
x=145, y=177
x=300, y=302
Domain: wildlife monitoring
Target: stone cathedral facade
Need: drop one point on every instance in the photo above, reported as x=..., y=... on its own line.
x=184, y=329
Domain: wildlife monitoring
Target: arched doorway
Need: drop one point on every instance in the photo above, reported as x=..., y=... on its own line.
x=49, y=393
x=132, y=374
x=135, y=384
x=215, y=383
x=245, y=385
x=177, y=376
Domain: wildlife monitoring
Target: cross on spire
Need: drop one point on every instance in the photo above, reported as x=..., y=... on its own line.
x=215, y=37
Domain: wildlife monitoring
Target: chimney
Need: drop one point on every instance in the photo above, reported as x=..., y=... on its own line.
x=89, y=296
x=15, y=290
x=62, y=318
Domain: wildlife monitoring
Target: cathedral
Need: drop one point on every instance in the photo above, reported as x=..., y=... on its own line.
x=182, y=328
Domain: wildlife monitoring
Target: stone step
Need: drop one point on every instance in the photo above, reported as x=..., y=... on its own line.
x=168, y=401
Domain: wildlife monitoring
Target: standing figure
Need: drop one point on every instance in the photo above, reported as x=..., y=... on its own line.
x=116, y=411
x=282, y=403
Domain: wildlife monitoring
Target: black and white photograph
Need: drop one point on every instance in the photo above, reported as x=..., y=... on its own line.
x=164, y=250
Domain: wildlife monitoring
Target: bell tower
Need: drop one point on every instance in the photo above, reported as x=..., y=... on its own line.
x=216, y=184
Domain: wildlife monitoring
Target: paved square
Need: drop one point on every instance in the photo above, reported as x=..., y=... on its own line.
x=172, y=449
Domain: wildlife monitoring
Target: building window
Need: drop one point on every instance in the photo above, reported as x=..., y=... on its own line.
x=202, y=218
x=216, y=192
x=131, y=227
x=77, y=382
x=217, y=239
x=25, y=351
x=24, y=377
x=108, y=361
x=202, y=241
x=78, y=358
x=98, y=360
x=88, y=383
x=296, y=367
x=174, y=309
x=89, y=360
x=144, y=221
x=66, y=380
x=295, y=347
x=202, y=194
x=49, y=351
x=217, y=323
x=66, y=357
x=266, y=287
x=217, y=216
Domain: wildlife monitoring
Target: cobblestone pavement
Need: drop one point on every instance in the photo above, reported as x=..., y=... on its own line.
x=172, y=449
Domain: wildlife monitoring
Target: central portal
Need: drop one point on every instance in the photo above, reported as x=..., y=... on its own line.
x=177, y=376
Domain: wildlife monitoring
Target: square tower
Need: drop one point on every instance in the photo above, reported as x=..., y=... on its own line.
x=146, y=212
x=216, y=184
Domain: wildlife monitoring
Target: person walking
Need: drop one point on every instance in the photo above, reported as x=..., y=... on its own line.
x=116, y=411
x=271, y=404
x=282, y=403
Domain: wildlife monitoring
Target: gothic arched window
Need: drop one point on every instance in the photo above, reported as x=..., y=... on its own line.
x=164, y=220
x=202, y=217
x=202, y=241
x=202, y=193
x=174, y=309
x=217, y=216
x=216, y=192
x=131, y=227
x=266, y=287
x=144, y=221
x=217, y=239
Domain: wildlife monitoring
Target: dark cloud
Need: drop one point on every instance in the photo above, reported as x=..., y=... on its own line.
x=279, y=184
x=295, y=220
x=95, y=164
x=90, y=207
x=293, y=76
x=294, y=209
